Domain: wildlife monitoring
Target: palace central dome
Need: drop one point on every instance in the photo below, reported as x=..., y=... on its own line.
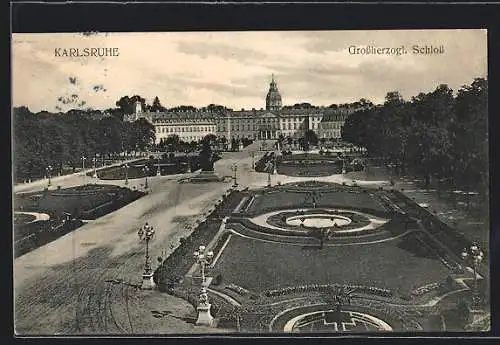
x=273, y=98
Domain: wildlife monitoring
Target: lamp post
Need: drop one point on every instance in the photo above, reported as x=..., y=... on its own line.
x=94, y=161
x=145, y=169
x=234, y=168
x=83, y=164
x=253, y=160
x=158, y=173
x=49, y=173
x=145, y=234
x=203, y=257
x=126, y=173
x=475, y=256
x=269, y=168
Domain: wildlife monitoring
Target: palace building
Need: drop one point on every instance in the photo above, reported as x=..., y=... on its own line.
x=253, y=124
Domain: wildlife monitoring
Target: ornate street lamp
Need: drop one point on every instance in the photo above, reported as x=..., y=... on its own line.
x=145, y=169
x=234, y=168
x=146, y=233
x=83, y=163
x=475, y=256
x=203, y=257
x=49, y=173
x=126, y=173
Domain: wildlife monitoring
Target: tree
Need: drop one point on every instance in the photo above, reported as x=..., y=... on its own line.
x=311, y=137
x=156, y=106
x=433, y=135
x=126, y=104
x=393, y=97
x=172, y=142
x=206, y=156
x=184, y=108
x=144, y=133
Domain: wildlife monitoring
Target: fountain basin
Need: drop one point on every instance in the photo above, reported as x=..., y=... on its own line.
x=319, y=220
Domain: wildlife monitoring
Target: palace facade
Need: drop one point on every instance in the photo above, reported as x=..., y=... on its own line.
x=268, y=123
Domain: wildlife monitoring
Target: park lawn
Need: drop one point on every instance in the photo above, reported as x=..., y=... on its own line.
x=259, y=266
x=308, y=169
x=74, y=200
x=290, y=199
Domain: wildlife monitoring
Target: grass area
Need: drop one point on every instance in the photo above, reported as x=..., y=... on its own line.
x=289, y=199
x=66, y=207
x=305, y=169
x=180, y=261
x=86, y=201
x=396, y=265
x=21, y=218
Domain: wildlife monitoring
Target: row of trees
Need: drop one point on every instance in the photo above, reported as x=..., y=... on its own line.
x=435, y=134
x=175, y=143
x=62, y=140
x=354, y=105
x=126, y=105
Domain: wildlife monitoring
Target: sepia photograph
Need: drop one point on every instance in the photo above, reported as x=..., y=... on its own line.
x=250, y=182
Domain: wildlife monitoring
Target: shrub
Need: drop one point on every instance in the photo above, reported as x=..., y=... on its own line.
x=217, y=280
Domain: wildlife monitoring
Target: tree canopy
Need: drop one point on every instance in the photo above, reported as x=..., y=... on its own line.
x=63, y=139
x=434, y=134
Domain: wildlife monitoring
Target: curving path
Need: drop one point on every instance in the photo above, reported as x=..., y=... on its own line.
x=38, y=216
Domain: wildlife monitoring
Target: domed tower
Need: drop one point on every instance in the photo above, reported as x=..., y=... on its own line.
x=273, y=98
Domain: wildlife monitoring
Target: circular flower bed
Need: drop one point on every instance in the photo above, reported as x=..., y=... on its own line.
x=318, y=218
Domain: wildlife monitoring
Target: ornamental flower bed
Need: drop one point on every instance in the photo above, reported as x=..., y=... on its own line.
x=238, y=289
x=39, y=233
x=280, y=220
x=325, y=287
x=425, y=289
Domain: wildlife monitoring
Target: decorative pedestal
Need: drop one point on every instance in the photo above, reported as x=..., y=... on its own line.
x=275, y=171
x=204, y=317
x=147, y=282
x=475, y=314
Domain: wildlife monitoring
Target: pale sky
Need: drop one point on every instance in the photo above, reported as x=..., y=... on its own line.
x=234, y=68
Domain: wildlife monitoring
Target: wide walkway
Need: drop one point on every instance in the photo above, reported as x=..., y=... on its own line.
x=64, y=181
x=86, y=281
